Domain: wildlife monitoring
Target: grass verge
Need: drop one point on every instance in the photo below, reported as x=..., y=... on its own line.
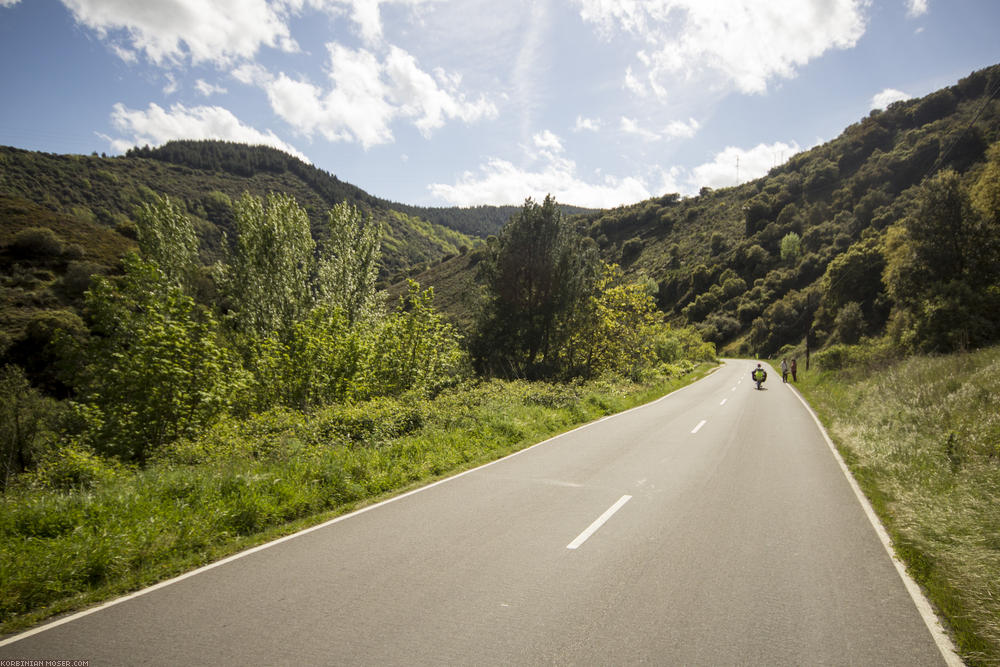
x=922, y=437
x=247, y=482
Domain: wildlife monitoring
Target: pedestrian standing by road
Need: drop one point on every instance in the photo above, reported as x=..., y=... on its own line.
x=794, y=368
x=784, y=370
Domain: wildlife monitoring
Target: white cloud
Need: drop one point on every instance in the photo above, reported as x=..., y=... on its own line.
x=589, y=124
x=156, y=126
x=367, y=14
x=174, y=31
x=915, y=8
x=546, y=140
x=633, y=84
x=251, y=75
x=675, y=130
x=207, y=89
x=631, y=126
x=738, y=165
x=680, y=130
x=171, y=86
x=8, y=3
x=501, y=182
x=418, y=94
x=745, y=42
x=366, y=96
x=888, y=96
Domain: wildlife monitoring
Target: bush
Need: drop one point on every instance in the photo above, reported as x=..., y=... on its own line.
x=78, y=276
x=26, y=422
x=850, y=322
x=73, y=466
x=37, y=242
x=631, y=250
x=865, y=357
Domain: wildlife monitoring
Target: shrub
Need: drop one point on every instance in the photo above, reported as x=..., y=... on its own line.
x=73, y=466
x=631, y=250
x=850, y=322
x=37, y=242
x=26, y=419
x=77, y=278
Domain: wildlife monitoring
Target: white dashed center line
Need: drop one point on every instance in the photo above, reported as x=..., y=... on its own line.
x=601, y=520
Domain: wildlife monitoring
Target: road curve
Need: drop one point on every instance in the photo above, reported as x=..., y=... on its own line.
x=711, y=527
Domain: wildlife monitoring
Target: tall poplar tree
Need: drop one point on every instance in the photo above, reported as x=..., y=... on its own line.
x=348, y=263
x=268, y=280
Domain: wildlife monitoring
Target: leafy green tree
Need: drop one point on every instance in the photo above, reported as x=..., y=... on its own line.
x=986, y=191
x=791, y=247
x=943, y=268
x=348, y=263
x=414, y=348
x=538, y=278
x=269, y=273
x=618, y=331
x=850, y=323
x=166, y=236
x=154, y=370
x=25, y=424
x=321, y=360
x=854, y=277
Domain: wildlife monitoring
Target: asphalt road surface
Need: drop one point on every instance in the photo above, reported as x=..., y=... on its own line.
x=712, y=527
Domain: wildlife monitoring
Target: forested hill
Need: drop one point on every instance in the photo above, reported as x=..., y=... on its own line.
x=892, y=227
x=206, y=177
x=476, y=221
x=248, y=161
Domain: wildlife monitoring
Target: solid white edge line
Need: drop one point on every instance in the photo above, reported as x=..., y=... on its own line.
x=601, y=520
x=343, y=517
x=941, y=638
x=698, y=427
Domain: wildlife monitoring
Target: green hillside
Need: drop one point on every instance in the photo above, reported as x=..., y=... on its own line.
x=803, y=249
x=87, y=205
x=208, y=176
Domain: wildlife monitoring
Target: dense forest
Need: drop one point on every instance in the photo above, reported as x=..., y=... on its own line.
x=891, y=228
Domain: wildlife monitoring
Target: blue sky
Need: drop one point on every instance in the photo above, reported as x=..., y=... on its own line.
x=439, y=103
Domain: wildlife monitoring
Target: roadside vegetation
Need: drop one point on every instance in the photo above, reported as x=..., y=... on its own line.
x=922, y=437
x=83, y=528
x=195, y=410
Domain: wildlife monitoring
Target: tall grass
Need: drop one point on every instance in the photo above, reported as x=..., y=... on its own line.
x=246, y=482
x=922, y=437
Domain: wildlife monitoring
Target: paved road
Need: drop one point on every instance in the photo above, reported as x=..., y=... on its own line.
x=729, y=536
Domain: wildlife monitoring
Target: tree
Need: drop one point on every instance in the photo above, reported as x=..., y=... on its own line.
x=268, y=280
x=943, y=268
x=25, y=417
x=850, y=323
x=854, y=276
x=166, y=236
x=414, y=348
x=153, y=371
x=321, y=360
x=986, y=191
x=617, y=333
x=791, y=247
x=348, y=263
x=538, y=278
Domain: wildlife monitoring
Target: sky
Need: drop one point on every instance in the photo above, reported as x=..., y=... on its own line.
x=599, y=103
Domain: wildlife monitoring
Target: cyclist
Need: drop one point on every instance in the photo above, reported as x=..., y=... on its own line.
x=758, y=375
